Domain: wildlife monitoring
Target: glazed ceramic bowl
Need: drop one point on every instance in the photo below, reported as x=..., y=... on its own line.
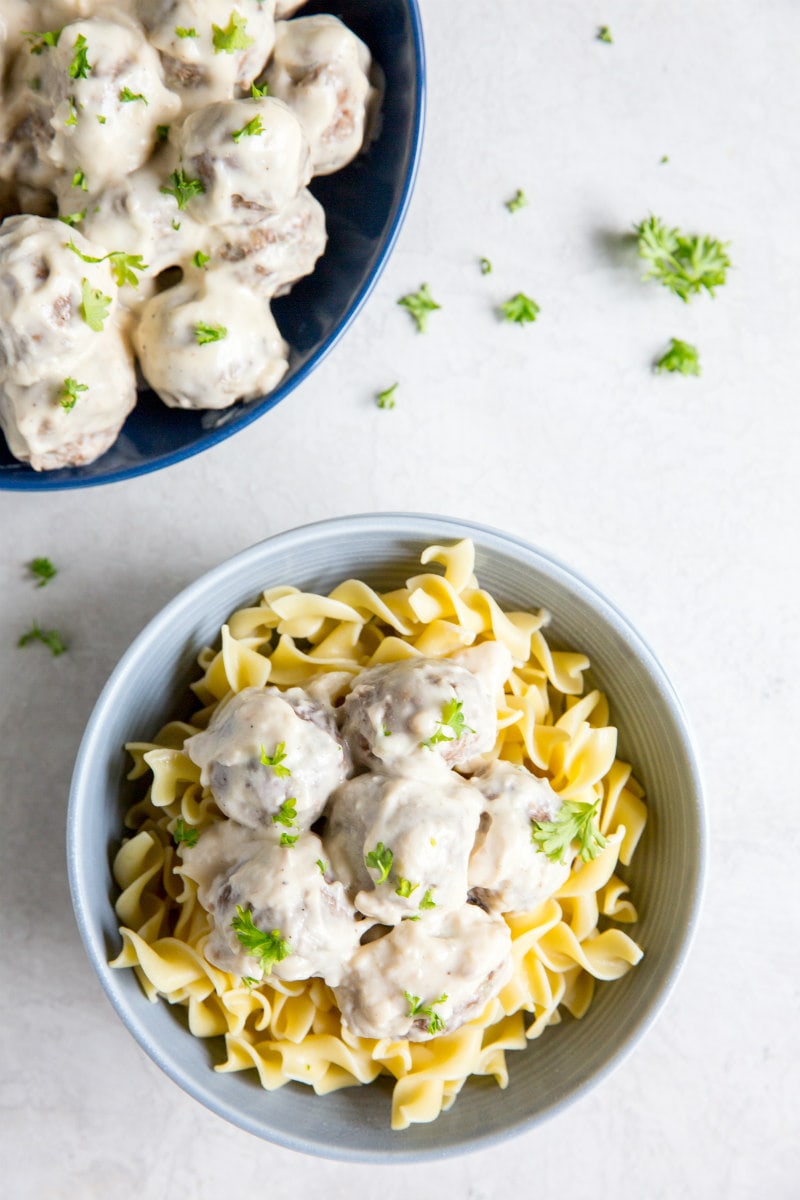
x=364, y=206
x=150, y=685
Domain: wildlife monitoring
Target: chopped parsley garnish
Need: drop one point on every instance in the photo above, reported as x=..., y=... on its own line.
x=604, y=35
x=664, y=159
x=286, y=814
x=128, y=97
x=187, y=834
x=72, y=119
x=182, y=32
x=575, y=820
x=123, y=266
x=385, y=399
x=101, y=119
x=386, y=731
x=79, y=181
x=520, y=309
x=269, y=760
x=451, y=724
x=183, y=188
x=49, y=637
x=380, y=859
x=80, y=66
x=200, y=258
x=405, y=888
x=68, y=396
x=233, y=37
x=249, y=981
x=427, y=900
x=259, y=92
x=289, y=839
x=485, y=265
x=40, y=41
x=420, y=305
x=162, y=133
x=251, y=129
x=94, y=306
x=681, y=357
x=323, y=866
x=268, y=948
x=73, y=218
x=42, y=570
x=203, y=334
x=416, y=1008
x=684, y=264
x=518, y=200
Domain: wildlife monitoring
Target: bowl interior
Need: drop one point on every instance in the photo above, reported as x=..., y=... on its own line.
x=150, y=683
x=364, y=206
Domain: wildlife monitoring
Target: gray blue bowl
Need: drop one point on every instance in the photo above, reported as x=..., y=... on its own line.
x=150, y=685
x=364, y=205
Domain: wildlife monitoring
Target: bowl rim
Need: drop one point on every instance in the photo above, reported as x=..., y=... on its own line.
x=419, y=526
x=28, y=480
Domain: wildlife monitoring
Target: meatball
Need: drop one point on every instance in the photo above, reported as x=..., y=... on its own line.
x=271, y=759
x=248, y=880
x=426, y=977
x=271, y=255
x=207, y=342
x=404, y=842
x=249, y=157
x=411, y=715
x=507, y=871
x=209, y=47
x=321, y=69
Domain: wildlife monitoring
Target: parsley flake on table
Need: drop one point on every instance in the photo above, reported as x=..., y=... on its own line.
x=276, y=760
x=420, y=305
x=68, y=396
x=183, y=32
x=127, y=96
x=41, y=41
x=380, y=859
x=451, y=725
x=183, y=188
x=203, y=334
x=385, y=399
x=576, y=820
x=520, y=309
x=251, y=129
x=286, y=814
x=683, y=263
x=80, y=66
x=42, y=570
x=416, y=1008
x=233, y=37
x=49, y=637
x=405, y=888
x=517, y=201
x=79, y=181
x=94, y=306
x=680, y=357
x=200, y=258
x=485, y=266
x=268, y=948
x=604, y=35
x=186, y=834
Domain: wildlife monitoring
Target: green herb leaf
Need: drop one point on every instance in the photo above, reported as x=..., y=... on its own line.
x=604, y=35
x=79, y=181
x=289, y=839
x=94, y=306
x=73, y=218
x=259, y=92
x=187, y=834
x=101, y=120
x=72, y=119
x=80, y=66
x=485, y=265
x=43, y=570
x=386, y=399
x=49, y=637
x=233, y=37
x=405, y=888
x=183, y=188
x=269, y=760
x=684, y=264
x=182, y=32
x=204, y=334
x=127, y=96
x=123, y=266
x=520, y=308
x=68, y=396
x=681, y=357
x=416, y=1008
x=41, y=41
x=518, y=200
x=323, y=866
x=664, y=159
x=162, y=133
x=576, y=820
x=420, y=305
x=427, y=900
x=251, y=129
x=380, y=859
x=286, y=814
x=451, y=725
x=268, y=948
x=199, y=258
x=249, y=981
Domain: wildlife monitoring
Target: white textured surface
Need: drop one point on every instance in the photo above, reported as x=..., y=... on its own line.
x=678, y=497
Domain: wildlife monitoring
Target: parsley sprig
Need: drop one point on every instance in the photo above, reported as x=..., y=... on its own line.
x=518, y=200
x=127, y=96
x=183, y=187
x=385, y=399
x=80, y=66
x=268, y=948
x=68, y=396
x=123, y=266
x=233, y=37
x=416, y=1008
x=42, y=570
x=420, y=305
x=286, y=814
x=94, y=306
x=683, y=263
x=576, y=820
x=520, y=309
x=680, y=357
x=186, y=834
x=41, y=41
x=452, y=724
x=49, y=637
x=380, y=859
x=203, y=334
x=276, y=760
x=604, y=35
x=251, y=129
x=405, y=888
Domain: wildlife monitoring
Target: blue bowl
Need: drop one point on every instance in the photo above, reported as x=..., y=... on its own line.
x=149, y=686
x=364, y=205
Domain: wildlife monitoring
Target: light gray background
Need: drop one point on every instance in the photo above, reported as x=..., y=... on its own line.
x=678, y=497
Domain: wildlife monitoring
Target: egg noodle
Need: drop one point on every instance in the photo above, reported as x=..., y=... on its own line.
x=293, y=1030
